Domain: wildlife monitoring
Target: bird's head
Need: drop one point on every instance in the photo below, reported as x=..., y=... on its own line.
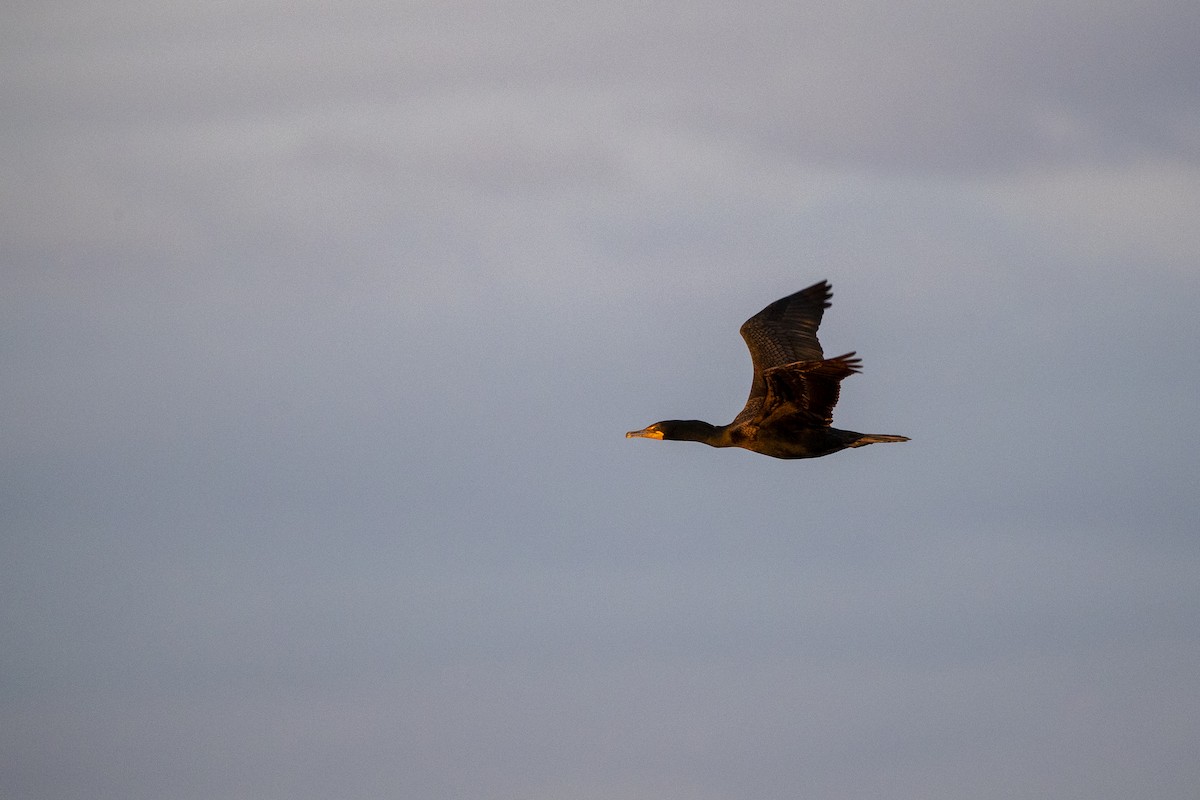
x=684, y=430
x=654, y=431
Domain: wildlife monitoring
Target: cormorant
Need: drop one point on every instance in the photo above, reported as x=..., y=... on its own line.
x=790, y=410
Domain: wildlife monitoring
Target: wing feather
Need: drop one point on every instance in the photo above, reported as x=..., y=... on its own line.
x=807, y=390
x=783, y=333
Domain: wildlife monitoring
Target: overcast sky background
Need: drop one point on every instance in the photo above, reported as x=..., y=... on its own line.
x=321, y=325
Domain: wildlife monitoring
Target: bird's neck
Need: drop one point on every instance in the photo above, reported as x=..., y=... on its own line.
x=695, y=430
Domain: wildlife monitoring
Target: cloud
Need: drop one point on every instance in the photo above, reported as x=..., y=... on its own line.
x=1139, y=213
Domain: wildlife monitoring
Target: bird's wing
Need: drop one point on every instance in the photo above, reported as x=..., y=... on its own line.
x=783, y=333
x=807, y=391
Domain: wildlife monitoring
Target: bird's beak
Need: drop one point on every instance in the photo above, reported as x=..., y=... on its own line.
x=645, y=433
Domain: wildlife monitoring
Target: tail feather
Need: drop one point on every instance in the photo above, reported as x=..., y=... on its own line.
x=876, y=438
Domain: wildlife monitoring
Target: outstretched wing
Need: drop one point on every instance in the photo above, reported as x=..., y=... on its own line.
x=807, y=391
x=783, y=333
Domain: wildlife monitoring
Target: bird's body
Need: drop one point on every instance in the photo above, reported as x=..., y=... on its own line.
x=789, y=413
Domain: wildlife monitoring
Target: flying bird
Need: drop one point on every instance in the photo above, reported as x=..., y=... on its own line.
x=790, y=410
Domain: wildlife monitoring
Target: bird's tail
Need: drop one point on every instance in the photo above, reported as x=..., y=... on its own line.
x=875, y=438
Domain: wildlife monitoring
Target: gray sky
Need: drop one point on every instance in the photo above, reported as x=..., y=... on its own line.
x=321, y=325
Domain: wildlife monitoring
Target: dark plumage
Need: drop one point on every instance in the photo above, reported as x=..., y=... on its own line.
x=789, y=413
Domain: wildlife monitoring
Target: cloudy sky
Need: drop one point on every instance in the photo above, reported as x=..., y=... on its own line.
x=321, y=325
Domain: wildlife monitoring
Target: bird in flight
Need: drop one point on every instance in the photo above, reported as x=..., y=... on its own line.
x=790, y=410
